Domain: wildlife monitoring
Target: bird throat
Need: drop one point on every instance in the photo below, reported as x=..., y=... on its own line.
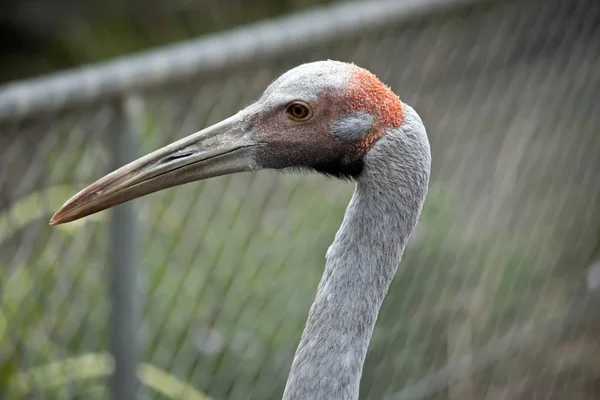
x=361, y=264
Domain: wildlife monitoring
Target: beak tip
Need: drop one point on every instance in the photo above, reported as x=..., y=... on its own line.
x=58, y=218
x=54, y=221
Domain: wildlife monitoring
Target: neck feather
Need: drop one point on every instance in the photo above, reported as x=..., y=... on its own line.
x=361, y=264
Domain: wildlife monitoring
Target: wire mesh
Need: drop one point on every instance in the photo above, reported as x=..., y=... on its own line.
x=494, y=298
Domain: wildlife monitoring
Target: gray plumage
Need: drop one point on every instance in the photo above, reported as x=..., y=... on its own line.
x=360, y=265
x=352, y=127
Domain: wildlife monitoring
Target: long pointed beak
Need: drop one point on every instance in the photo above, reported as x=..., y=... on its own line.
x=221, y=149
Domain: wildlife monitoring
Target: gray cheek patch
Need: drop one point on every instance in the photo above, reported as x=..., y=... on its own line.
x=352, y=127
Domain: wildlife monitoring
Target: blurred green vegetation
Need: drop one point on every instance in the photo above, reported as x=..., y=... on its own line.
x=231, y=265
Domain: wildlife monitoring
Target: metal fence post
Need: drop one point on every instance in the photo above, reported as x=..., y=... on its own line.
x=125, y=262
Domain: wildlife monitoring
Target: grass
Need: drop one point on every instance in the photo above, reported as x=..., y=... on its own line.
x=61, y=373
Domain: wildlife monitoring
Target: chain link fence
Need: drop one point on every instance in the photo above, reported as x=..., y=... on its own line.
x=495, y=297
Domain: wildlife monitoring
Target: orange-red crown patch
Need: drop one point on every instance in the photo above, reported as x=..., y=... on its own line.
x=368, y=93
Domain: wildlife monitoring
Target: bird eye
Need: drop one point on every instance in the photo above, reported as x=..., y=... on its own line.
x=299, y=111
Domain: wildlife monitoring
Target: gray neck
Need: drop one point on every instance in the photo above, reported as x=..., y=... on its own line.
x=361, y=264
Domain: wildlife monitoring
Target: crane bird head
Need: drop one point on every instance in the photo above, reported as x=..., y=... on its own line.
x=323, y=116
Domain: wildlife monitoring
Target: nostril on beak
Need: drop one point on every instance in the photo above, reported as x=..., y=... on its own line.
x=176, y=156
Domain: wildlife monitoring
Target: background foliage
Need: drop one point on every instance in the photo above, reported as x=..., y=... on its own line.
x=506, y=242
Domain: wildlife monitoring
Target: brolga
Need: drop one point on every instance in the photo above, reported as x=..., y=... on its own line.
x=337, y=119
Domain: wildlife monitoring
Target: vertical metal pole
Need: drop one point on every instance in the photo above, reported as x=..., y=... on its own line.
x=125, y=262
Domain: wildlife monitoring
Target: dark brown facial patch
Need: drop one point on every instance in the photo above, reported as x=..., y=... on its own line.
x=308, y=144
x=367, y=93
